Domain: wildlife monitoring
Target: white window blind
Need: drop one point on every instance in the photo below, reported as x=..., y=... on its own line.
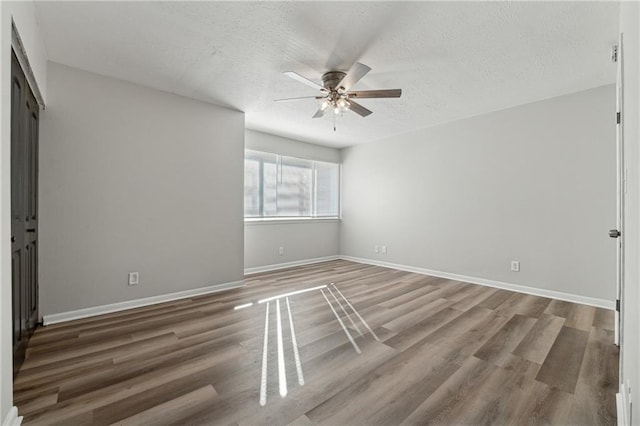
x=281, y=186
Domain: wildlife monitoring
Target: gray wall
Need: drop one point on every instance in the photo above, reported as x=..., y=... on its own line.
x=535, y=183
x=23, y=15
x=630, y=353
x=301, y=240
x=267, y=142
x=134, y=179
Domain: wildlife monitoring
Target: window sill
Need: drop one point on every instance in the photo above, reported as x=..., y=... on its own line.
x=289, y=220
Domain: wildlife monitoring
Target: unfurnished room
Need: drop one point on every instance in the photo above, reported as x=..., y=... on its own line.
x=319, y=212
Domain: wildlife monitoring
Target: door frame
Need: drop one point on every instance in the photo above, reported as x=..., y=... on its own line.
x=621, y=184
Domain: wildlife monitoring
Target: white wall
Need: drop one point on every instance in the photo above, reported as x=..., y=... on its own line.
x=24, y=16
x=535, y=183
x=630, y=354
x=302, y=240
x=134, y=179
x=266, y=142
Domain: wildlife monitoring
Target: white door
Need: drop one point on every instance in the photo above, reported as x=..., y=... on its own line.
x=618, y=233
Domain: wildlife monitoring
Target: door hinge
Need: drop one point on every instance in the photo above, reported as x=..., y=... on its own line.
x=617, y=305
x=614, y=53
x=617, y=117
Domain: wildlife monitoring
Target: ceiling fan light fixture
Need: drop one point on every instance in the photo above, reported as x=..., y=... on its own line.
x=335, y=93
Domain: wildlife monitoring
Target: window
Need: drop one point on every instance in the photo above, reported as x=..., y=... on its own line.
x=279, y=186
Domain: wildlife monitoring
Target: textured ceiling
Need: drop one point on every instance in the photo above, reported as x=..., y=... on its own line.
x=452, y=59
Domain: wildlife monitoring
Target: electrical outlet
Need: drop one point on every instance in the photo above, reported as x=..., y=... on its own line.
x=376, y=248
x=384, y=249
x=281, y=251
x=515, y=265
x=134, y=278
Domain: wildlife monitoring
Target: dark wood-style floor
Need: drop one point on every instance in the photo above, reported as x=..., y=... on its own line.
x=432, y=351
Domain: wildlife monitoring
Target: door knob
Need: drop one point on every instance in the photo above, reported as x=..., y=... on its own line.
x=614, y=233
x=13, y=239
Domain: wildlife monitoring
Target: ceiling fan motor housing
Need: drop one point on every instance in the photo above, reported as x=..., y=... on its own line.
x=331, y=79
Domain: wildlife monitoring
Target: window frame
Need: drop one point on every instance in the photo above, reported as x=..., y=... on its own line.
x=260, y=157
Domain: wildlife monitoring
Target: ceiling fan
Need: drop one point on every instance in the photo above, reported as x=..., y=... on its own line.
x=335, y=93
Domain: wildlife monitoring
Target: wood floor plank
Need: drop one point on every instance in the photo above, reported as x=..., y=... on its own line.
x=74, y=357
x=54, y=331
x=399, y=375
x=411, y=294
x=75, y=347
x=536, y=344
x=117, y=392
x=496, y=299
x=56, y=376
x=441, y=404
x=532, y=306
x=44, y=400
x=503, y=392
x=476, y=336
x=119, y=373
x=544, y=405
x=560, y=308
x=392, y=410
x=581, y=317
x=498, y=347
x=524, y=304
x=604, y=319
x=441, y=352
x=457, y=326
x=561, y=368
x=599, y=368
x=478, y=295
x=414, y=334
x=326, y=381
x=302, y=421
x=410, y=317
x=174, y=410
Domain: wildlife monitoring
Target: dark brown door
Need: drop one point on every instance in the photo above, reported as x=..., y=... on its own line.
x=24, y=211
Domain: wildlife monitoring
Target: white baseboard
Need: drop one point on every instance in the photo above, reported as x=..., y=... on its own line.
x=276, y=266
x=591, y=301
x=137, y=303
x=114, y=307
x=12, y=418
x=622, y=405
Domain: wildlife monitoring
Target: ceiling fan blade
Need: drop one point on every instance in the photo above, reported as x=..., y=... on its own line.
x=319, y=113
x=295, y=99
x=304, y=80
x=387, y=93
x=354, y=75
x=359, y=109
